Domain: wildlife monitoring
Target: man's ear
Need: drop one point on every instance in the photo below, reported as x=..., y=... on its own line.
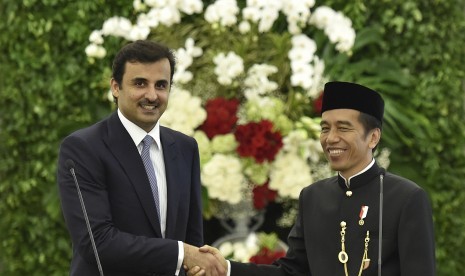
x=375, y=136
x=114, y=88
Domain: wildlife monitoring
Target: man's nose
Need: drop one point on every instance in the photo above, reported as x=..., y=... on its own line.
x=151, y=94
x=333, y=136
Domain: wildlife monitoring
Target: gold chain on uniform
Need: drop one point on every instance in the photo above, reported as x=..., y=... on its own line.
x=344, y=258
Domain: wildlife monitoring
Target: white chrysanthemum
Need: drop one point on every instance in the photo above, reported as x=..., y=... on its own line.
x=298, y=142
x=269, y=108
x=240, y=251
x=138, y=33
x=184, y=112
x=313, y=152
x=244, y=27
x=96, y=51
x=318, y=78
x=312, y=125
x=289, y=175
x=190, y=6
x=297, y=13
x=382, y=157
x=293, y=28
x=243, y=251
x=262, y=12
x=223, y=12
x=293, y=141
x=149, y=19
x=96, y=37
x=116, y=26
x=303, y=48
x=228, y=67
x=336, y=26
x=322, y=16
x=268, y=17
x=223, y=178
x=169, y=16
x=322, y=170
x=301, y=56
x=257, y=82
x=302, y=75
x=156, y=3
x=138, y=5
x=182, y=76
x=185, y=58
x=225, y=143
x=257, y=173
x=251, y=14
x=191, y=49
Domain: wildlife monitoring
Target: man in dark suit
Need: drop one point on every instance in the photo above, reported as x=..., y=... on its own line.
x=338, y=228
x=140, y=181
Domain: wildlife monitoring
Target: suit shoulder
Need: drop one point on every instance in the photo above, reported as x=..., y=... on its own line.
x=176, y=134
x=399, y=182
x=320, y=185
x=89, y=132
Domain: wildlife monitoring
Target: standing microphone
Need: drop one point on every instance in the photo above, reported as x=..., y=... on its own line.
x=70, y=165
x=382, y=173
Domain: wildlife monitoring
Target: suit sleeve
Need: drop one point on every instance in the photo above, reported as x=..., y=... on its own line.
x=194, y=234
x=416, y=237
x=118, y=250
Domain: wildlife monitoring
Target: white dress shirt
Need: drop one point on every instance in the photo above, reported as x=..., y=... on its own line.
x=156, y=155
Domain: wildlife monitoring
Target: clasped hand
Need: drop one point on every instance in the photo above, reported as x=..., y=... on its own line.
x=204, y=261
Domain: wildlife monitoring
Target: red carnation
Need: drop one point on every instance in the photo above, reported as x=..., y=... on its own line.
x=267, y=256
x=221, y=116
x=258, y=140
x=262, y=195
x=317, y=104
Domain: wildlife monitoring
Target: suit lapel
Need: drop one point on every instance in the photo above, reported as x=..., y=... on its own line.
x=173, y=170
x=122, y=146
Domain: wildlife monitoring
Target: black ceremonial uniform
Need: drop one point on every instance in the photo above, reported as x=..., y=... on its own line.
x=315, y=240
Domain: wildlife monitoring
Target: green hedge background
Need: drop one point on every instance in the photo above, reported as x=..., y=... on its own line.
x=411, y=50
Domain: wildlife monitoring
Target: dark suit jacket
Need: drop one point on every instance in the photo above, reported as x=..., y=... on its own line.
x=119, y=201
x=315, y=239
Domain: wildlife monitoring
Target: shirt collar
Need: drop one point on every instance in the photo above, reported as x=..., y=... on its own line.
x=137, y=134
x=359, y=178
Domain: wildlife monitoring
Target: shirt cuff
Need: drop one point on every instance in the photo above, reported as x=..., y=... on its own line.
x=180, y=257
x=229, y=268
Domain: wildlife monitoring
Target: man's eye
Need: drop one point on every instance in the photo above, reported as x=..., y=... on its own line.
x=140, y=83
x=324, y=129
x=161, y=85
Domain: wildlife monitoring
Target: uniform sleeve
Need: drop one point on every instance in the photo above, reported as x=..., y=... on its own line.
x=416, y=236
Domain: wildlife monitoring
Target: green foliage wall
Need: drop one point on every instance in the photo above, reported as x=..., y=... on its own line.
x=48, y=89
x=46, y=92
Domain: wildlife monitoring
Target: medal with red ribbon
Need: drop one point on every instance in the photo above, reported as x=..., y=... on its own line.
x=363, y=214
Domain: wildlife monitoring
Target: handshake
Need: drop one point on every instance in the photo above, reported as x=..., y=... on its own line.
x=204, y=261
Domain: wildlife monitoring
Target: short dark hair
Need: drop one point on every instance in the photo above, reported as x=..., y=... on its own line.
x=370, y=122
x=143, y=51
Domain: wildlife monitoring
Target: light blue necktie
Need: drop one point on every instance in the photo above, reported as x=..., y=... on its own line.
x=145, y=154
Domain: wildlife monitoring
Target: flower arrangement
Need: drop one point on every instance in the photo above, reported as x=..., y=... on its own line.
x=247, y=87
x=259, y=248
